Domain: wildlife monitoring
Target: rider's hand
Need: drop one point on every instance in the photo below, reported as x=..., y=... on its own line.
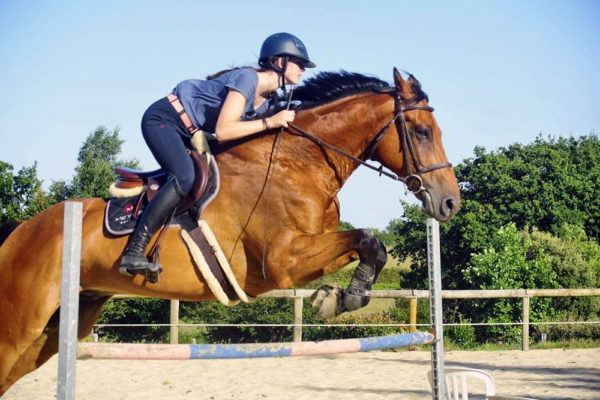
x=281, y=119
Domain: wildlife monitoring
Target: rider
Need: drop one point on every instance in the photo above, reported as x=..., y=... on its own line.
x=232, y=104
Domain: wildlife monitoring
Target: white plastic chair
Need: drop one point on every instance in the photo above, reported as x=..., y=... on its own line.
x=456, y=382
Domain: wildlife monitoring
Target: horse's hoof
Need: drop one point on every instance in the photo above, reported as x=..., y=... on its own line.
x=319, y=295
x=329, y=301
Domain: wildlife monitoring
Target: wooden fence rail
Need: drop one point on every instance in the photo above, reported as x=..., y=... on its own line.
x=300, y=294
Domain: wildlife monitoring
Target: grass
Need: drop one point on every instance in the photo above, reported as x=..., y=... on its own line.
x=563, y=344
x=566, y=344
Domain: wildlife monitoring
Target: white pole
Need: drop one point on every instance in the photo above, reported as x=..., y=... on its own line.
x=69, y=301
x=435, y=308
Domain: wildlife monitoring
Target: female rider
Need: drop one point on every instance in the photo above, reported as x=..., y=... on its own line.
x=232, y=104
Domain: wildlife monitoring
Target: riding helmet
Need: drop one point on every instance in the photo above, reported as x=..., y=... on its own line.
x=284, y=44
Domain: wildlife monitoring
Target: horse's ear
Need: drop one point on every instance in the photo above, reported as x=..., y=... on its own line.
x=401, y=85
x=413, y=82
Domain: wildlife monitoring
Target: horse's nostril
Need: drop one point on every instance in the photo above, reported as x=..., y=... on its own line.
x=449, y=206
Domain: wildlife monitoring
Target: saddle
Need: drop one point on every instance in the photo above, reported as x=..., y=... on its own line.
x=128, y=178
x=134, y=189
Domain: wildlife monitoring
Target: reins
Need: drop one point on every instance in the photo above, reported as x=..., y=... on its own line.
x=405, y=143
x=269, y=179
x=319, y=142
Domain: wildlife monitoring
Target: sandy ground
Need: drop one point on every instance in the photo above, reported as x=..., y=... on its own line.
x=541, y=374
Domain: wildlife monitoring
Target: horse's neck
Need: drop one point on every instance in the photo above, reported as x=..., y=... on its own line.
x=358, y=120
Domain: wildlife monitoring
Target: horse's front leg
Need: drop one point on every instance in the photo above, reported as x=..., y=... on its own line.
x=333, y=301
x=326, y=249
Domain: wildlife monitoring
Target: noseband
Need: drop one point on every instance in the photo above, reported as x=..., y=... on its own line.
x=413, y=181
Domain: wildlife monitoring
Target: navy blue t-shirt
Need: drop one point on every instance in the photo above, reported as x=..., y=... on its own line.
x=203, y=99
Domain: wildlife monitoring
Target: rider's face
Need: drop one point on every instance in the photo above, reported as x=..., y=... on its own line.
x=294, y=70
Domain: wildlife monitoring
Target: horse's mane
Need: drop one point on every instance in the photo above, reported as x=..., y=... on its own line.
x=326, y=87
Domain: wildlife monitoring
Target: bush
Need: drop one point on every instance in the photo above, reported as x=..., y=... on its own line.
x=135, y=311
x=462, y=336
x=566, y=332
x=263, y=311
x=346, y=332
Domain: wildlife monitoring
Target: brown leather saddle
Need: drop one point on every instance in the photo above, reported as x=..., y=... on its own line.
x=128, y=178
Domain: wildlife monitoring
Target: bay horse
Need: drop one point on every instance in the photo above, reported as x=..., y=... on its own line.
x=345, y=119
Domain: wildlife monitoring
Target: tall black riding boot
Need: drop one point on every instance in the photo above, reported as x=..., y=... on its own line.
x=156, y=213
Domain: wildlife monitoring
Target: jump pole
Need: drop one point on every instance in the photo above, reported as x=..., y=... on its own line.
x=435, y=308
x=69, y=301
x=137, y=351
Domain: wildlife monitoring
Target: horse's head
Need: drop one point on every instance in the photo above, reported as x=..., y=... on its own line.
x=415, y=151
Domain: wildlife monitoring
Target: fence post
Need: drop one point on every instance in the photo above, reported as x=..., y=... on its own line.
x=69, y=301
x=412, y=317
x=525, y=337
x=173, y=321
x=298, y=305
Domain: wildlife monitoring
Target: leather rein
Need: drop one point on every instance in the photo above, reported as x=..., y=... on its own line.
x=413, y=181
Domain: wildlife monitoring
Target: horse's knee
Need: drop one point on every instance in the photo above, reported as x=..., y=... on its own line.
x=372, y=250
x=373, y=258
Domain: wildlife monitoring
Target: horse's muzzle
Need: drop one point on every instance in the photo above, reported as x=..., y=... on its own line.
x=446, y=209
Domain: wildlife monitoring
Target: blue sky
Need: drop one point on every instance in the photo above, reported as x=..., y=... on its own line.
x=497, y=72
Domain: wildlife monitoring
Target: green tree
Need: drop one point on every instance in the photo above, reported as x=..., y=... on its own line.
x=94, y=173
x=387, y=235
x=509, y=263
x=575, y=260
x=546, y=185
x=345, y=226
x=21, y=195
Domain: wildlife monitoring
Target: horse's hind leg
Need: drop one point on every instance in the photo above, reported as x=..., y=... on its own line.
x=41, y=348
x=46, y=345
x=21, y=327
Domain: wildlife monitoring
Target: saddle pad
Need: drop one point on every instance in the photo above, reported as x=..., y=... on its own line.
x=118, y=216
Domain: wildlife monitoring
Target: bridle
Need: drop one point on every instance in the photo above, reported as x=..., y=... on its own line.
x=413, y=181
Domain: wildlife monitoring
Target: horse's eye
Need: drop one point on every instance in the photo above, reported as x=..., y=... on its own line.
x=422, y=133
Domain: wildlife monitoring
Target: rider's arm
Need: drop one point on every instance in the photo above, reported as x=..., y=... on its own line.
x=229, y=126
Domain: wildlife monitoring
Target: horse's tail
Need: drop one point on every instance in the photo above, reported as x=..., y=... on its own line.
x=7, y=228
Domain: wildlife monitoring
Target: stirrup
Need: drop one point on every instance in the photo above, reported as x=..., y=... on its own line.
x=150, y=271
x=154, y=269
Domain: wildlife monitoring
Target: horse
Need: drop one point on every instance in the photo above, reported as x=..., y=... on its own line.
x=275, y=217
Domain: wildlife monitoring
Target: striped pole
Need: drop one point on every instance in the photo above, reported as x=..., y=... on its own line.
x=132, y=351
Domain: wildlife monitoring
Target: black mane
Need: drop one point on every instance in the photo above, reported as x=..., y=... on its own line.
x=326, y=87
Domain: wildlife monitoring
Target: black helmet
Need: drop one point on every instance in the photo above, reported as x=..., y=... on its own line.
x=283, y=44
